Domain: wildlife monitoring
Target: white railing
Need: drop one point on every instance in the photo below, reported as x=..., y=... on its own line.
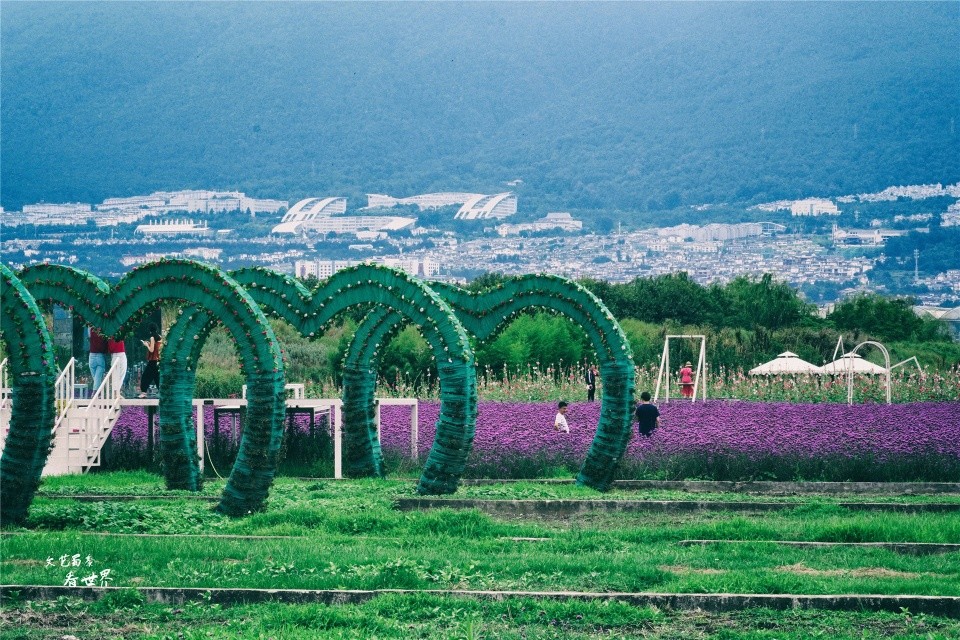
x=4, y=385
x=63, y=392
x=96, y=420
x=84, y=429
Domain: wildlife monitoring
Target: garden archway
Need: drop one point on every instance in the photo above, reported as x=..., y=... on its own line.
x=309, y=310
x=886, y=361
x=116, y=310
x=32, y=374
x=487, y=313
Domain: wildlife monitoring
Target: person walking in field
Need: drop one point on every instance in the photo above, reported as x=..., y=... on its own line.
x=648, y=416
x=686, y=380
x=591, y=380
x=151, y=373
x=560, y=422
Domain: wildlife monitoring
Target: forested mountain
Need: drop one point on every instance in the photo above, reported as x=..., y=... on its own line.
x=613, y=106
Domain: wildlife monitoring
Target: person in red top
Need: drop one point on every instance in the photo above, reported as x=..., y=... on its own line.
x=151, y=374
x=686, y=380
x=98, y=358
x=118, y=362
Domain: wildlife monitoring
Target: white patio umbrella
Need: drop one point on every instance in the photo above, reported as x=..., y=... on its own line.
x=787, y=363
x=844, y=364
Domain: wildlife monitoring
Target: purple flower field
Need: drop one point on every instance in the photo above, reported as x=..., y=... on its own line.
x=718, y=440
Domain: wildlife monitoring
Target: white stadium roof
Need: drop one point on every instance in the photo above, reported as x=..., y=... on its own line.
x=309, y=209
x=499, y=205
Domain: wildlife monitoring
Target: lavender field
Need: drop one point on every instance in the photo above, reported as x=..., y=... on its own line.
x=723, y=440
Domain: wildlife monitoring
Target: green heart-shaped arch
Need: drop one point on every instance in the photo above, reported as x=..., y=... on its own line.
x=309, y=310
x=115, y=311
x=32, y=412
x=487, y=313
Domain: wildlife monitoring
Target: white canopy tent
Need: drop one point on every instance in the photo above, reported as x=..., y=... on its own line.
x=852, y=363
x=787, y=363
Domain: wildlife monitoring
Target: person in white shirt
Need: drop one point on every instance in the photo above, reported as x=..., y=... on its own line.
x=560, y=422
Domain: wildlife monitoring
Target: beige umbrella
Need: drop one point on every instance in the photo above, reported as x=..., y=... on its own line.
x=844, y=364
x=787, y=363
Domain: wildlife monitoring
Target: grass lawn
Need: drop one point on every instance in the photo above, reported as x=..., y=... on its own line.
x=124, y=615
x=346, y=535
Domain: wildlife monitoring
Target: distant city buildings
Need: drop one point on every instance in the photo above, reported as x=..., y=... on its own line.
x=324, y=215
x=708, y=253
x=814, y=207
x=68, y=213
x=175, y=228
x=713, y=232
x=65, y=209
x=913, y=192
x=321, y=269
x=875, y=236
x=951, y=218
x=114, y=211
x=557, y=220
x=190, y=201
x=474, y=206
x=423, y=202
x=805, y=207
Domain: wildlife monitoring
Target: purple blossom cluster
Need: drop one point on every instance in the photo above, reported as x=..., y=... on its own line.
x=757, y=434
x=133, y=423
x=750, y=429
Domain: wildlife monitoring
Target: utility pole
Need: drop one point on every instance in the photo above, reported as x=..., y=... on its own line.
x=916, y=266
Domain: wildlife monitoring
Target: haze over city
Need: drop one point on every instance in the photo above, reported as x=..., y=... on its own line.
x=816, y=142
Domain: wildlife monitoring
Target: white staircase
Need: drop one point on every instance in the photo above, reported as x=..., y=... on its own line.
x=82, y=425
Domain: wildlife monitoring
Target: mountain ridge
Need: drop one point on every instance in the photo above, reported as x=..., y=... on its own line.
x=615, y=107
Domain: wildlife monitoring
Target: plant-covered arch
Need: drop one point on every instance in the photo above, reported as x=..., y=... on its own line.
x=486, y=314
x=32, y=376
x=115, y=311
x=310, y=310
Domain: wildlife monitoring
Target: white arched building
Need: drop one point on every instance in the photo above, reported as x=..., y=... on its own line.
x=482, y=207
x=301, y=215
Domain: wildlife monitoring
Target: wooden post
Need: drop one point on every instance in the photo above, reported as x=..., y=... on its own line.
x=666, y=356
x=200, y=433
x=414, y=432
x=150, y=415
x=337, y=444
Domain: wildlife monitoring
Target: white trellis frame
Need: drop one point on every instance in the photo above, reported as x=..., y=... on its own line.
x=839, y=348
x=886, y=361
x=700, y=377
x=915, y=361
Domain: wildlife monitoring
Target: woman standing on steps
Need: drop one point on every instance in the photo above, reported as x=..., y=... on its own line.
x=118, y=362
x=151, y=374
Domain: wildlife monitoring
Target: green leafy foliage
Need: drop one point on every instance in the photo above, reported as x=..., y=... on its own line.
x=885, y=318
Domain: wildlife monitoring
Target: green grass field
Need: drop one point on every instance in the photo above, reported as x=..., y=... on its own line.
x=347, y=535
x=392, y=616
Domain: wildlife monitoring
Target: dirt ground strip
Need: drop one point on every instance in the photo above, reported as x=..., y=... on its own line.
x=945, y=606
x=562, y=507
x=763, y=486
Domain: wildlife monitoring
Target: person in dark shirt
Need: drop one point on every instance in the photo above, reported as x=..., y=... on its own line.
x=648, y=416
x=591, y=380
